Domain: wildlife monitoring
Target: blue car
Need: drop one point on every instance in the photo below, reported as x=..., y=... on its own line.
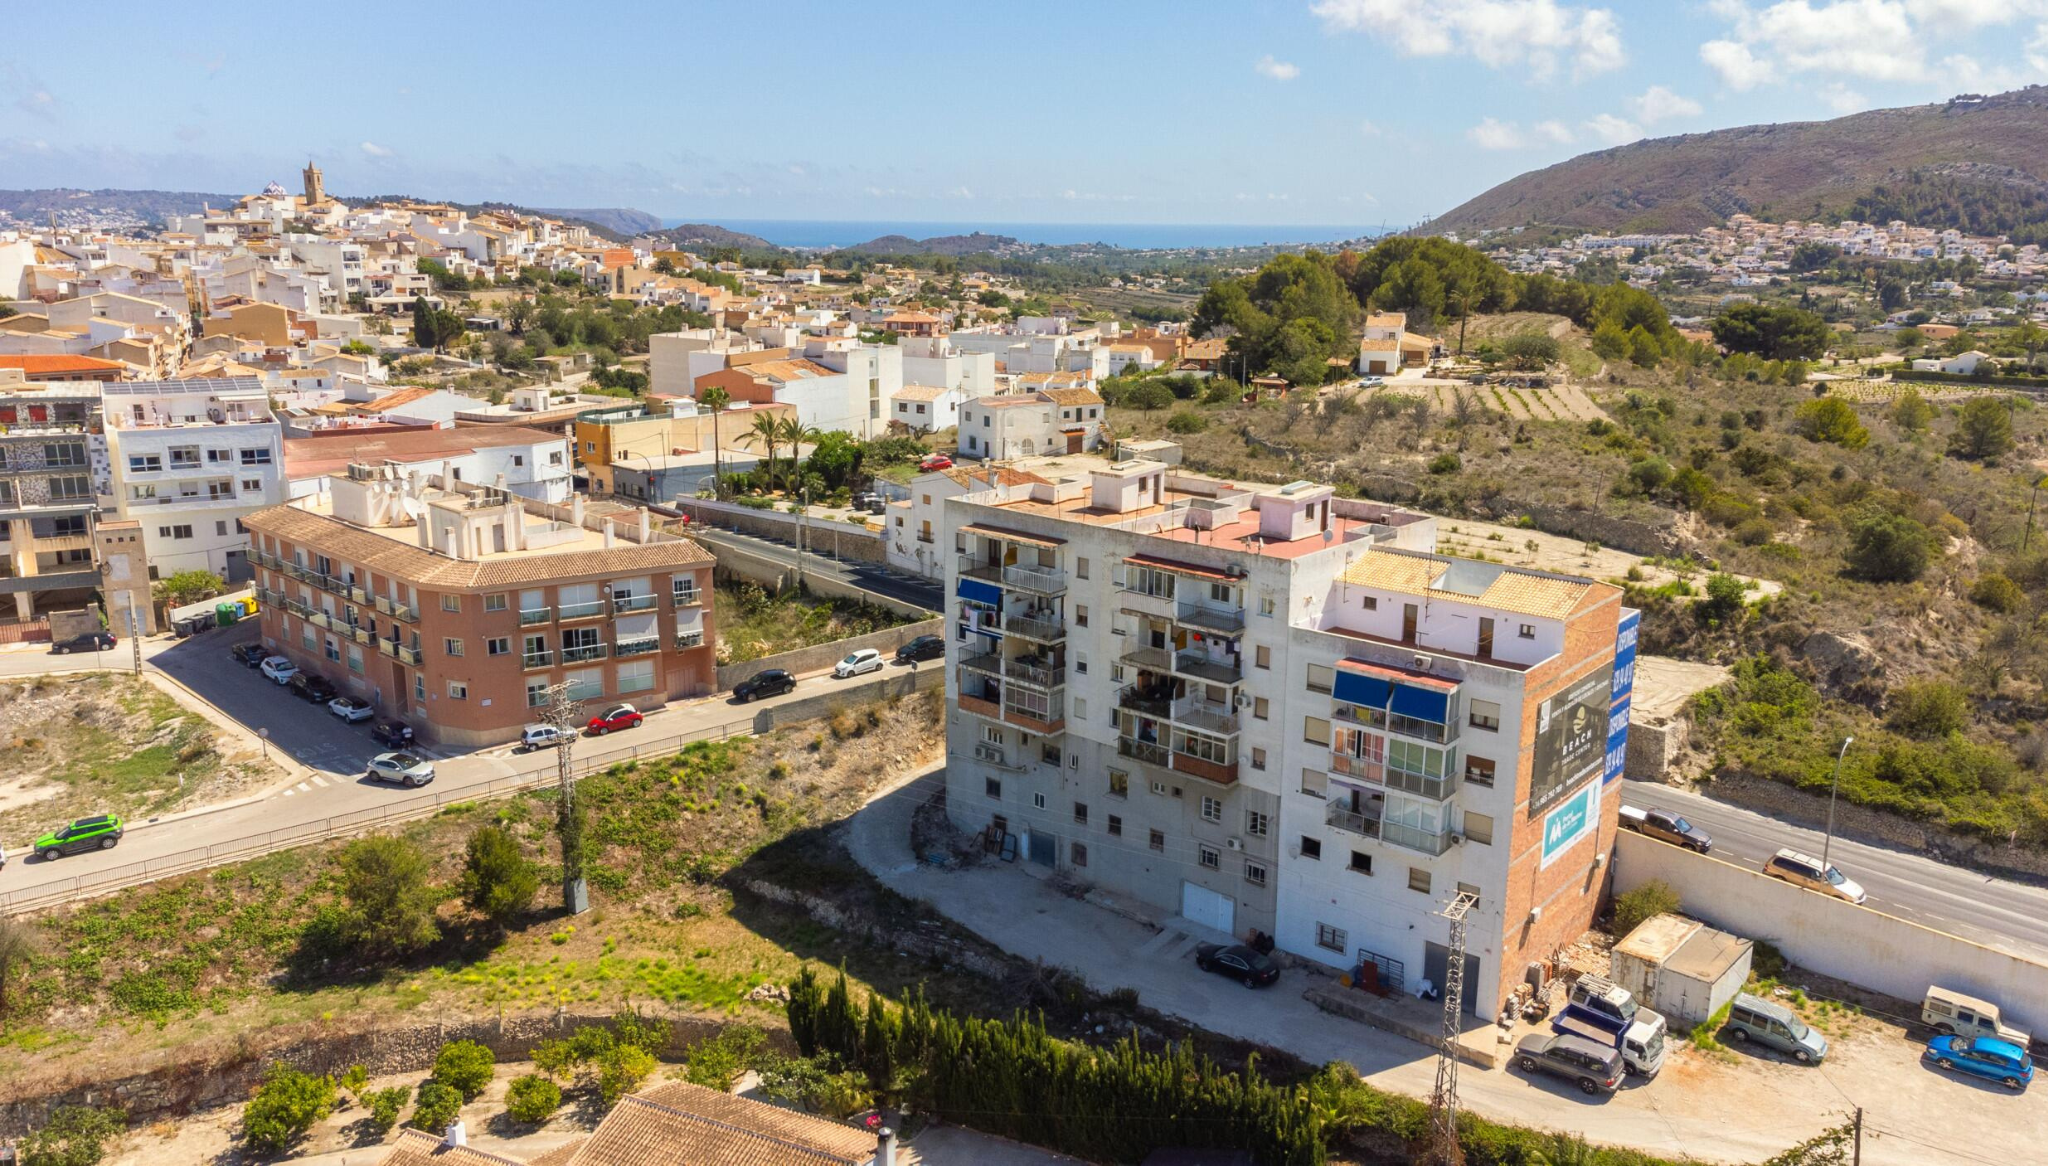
x=1984, y=1056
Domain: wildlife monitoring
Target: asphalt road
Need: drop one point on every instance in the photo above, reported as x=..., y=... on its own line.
x=1996, y=912
x=872, y=576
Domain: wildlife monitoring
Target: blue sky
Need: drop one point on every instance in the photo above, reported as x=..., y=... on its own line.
x=1326, y=112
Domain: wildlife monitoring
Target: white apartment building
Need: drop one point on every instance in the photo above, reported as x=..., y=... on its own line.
x=1015, y=425
x=190, y=459
x=931, y=360
x=924, y=408
x=1273, y=710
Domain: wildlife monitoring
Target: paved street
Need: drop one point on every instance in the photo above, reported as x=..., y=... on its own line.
x=872, y=576
x=1997, y=912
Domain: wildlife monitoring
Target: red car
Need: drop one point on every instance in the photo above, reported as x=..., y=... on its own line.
x=619, y=716
x=935, y=461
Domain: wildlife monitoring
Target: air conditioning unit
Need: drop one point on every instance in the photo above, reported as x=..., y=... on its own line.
x=1234, y=843
x=1456, y=839
x=989, y=753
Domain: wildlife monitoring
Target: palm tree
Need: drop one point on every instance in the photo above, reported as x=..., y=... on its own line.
x=766, y=434
x=715, y=399
x=794, y=434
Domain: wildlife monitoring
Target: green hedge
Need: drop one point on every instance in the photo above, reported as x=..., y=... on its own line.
x=1956, y=378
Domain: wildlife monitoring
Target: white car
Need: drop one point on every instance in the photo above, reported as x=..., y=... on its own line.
x=351, y=709
x=404, y=768
x=865, y=660
x=541, y=737
x=279, y=669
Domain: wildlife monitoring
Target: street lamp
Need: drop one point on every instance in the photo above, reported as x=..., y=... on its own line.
x=1834, y=784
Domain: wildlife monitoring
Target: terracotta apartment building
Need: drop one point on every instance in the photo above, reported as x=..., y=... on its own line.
x=454, y=609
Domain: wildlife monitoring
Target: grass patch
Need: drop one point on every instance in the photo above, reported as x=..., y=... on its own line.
x=752, y=623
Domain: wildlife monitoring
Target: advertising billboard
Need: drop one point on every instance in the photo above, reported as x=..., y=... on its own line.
x=1577, y=817
x=1571, y=737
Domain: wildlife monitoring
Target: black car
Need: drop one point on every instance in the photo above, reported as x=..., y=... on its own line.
x=396, y=734
x=249, y=655
x=1238, y=962
x=89, y=642
x=921, y=648
x=771, y=682
x=313, y=687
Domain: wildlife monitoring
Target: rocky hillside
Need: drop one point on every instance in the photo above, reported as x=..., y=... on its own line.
x=1976, y=150
x=621, y=221
x=700, y=236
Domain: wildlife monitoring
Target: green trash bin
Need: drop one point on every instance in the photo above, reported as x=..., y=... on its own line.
x=225, y=614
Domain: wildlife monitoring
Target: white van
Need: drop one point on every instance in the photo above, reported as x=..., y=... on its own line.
x=1951, y=1011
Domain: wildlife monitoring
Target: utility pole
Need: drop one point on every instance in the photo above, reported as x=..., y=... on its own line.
x=803, y=516
x=2032, y=495
x=563, y=711
x=134, y=640
x=1857, y=1159
x=1834, y=786
x=1443, y=1148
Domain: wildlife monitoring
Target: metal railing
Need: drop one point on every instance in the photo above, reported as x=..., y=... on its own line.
x=1212, y=619
x=540, y=659
x=1206, y=667
x=1340, y=817
x=1149, y=752
x=1043, y=580
x=1036, y=627
x=632, y=603
x=534, y=615
x=1414, y=838
x=1205, y=715
x=689, y=639
x=688, y=596
x=568, y=611
x=582, y=652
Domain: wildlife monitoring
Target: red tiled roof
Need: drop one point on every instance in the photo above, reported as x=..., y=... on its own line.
x=34, y=365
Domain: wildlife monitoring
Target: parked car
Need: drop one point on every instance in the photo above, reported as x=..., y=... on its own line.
x=1237, y=961
x=312, y=687
x=1665, y=826
x=921, y=648
x=877, y=505
x=1594, y=1067
x=403, y=768
x=1774, y=1026
x=1946, y=1010
x=864, y=660
x=100, y=833
x=1984, y=1056
x=619, y=716
x=279, y=669
x=89, y=642
x=396, y=734
x=767, y=682
x=351, y=709
x=1804, y=870
x=535, y=737
x=935, y=461
x=249, y=655
x=861, y=500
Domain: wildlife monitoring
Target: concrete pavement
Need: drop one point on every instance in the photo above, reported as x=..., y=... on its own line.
x=869, y=576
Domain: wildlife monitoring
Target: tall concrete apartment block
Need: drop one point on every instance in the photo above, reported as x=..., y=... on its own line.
x=191, y=460
x=1273, y=709
x=53, y=470
x=455, y=609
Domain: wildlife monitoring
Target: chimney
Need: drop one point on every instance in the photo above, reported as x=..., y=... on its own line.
x=576, y=509
x=609, y=524
x=885, y=1147
x=457, y=1136
x=644, y=516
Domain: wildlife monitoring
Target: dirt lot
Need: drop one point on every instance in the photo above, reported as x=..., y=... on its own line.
x=753, y=623
x=108, y=743
x=1569, y=556
x=1564, y=402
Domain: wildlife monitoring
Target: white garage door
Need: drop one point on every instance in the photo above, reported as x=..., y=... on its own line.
x=1208, y=908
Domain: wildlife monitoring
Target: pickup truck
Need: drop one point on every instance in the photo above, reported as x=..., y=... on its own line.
x=1665, y=826
x=1640, y=1043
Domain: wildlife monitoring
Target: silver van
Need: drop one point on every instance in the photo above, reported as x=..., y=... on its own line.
x=1949, y=1011
x=1774, y=1026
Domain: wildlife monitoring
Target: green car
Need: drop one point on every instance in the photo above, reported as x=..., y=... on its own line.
x=85, y=834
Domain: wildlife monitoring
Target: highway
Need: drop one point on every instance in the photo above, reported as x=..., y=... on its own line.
x=1996, y=912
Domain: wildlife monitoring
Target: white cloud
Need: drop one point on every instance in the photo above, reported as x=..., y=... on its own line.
x=376, y=151
x=1615, y=131
x=2037, y=49
x=1368, y=129
x=1738, y=67
x=1494, y=134
x=1536, y=34
x=1266, y=66
x=1886, y=41
x=1660, y=104
x=1842, y=99
x=1555, y=131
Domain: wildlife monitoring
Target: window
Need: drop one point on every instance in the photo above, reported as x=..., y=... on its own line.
x=536, y=693
x=1158, y=840
x=333, y=650
x=419, y=687
x=1418, y=879
x=1478, y=828
x=182, y=530
x=498, y=602
x=1527, y=631
x=451, y=602
x=252, y=485
x=452, y=646
x=1266, y=606
x=1080, y=615
x=498, y=645
x=1260, y=708
x=1212, y=809
x=1484, y=714
x=1330, y=937
x=1078, y=851
x=184, y=457
x=1479, y=771
x=1370, y=603
x=1258, y=758
x=1119, y=784
x=1255, y=874
x=993, y=788
x=255, y=457
x=1211, y=858
x=1080, y=813
x=1262, y=657
x=1159, y=787
x=1315, y=731
x=1361, y=862
x=1255, y=823
x=1080, y=568
x=355, y=659
x=1315, y=783
x=1311, y=847
x=1037, y=801
x=145, y=463
x=1049, y=754
x=306, y=636
x=1469, y=889
x=458, y=690
x=220, y=529
x=635, y=676
x=1116, y=826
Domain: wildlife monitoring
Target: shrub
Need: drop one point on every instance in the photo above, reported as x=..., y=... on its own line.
x=1889, y=548
x=391, y=904
x=497, y=880
x=385, y=1105
x=353, y=1080
x=620, y=1071
x=1998, y=593
x=1911, y=412
x=1187, y=421
x=1652, y=898
x=1649, y=474
x=1446, y=463
x=1983, y=429
x=1926, y=709
x=286, y=1105
x=75, y=1135
x=532, y=1099
x=465, y=1066
x=437, y=1105
x=1753, y=532
x=717, y=1062
x=1724, y=596
x=1830, y=419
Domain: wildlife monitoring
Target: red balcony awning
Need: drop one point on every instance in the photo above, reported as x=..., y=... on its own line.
x=1178, y=568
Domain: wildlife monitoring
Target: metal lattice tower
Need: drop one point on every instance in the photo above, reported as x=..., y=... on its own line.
x=1443, y=1149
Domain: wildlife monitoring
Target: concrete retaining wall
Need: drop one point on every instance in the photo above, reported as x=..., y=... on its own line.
x=1865, y=947
x=817, y=656
x=841, y=540
x=735, y=562
x=1867, y=825
x=1653, y=747
x=903, y=683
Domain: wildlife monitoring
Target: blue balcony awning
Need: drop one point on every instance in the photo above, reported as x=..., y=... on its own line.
x=1405, y=693
x=979, y=591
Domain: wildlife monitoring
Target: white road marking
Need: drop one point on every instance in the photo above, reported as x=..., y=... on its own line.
x=303, y=788
x=318, y=782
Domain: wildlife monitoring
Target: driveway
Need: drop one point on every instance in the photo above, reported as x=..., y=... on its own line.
x=307, y=733
x=1744, y=1111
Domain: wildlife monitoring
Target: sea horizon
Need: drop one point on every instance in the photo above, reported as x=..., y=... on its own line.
x=828, y=233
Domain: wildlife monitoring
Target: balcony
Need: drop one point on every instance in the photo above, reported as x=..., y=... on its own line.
x=980, y=707
x=541, y=659
x=1027, y=670
x=384, y=605
x=637, y=647
x=1146, y=603
x=1037, y=720
x=1150, y=752
x=1041, y=580
x=1149, y=704
x=1202, y=666
x=988, y=662
x=528, y=616
x=582, y=653
x=1351, y=765
x=1392, y=722
x=1431, y=842
x=1343, y=818
x=1044, y=629
x=1220, y=772
x=388, y=647
x=1149, y=659
x=569, y=611
x=405, y=614
x=1422, y=785
x=358, y=594
x=686, y=640
x=625, y=603
x=1222, y=621
x=362, y=635
x=319, y=619
x=1207, y=716
x=687, y=596
x=408, y=655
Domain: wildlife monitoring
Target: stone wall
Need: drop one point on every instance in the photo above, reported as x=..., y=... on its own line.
x=737, y=562
x=1873, y=826
x=1652, y=748
x=817, y=656
x=903, y=683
